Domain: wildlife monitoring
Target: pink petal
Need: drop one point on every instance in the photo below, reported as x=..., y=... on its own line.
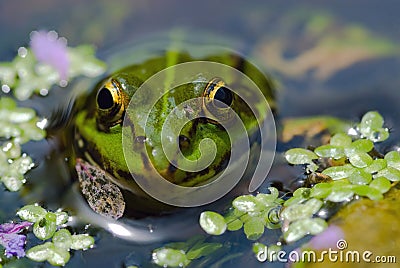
x=50, y=49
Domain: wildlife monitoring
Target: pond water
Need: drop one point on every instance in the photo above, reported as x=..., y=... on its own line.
x=334, y=58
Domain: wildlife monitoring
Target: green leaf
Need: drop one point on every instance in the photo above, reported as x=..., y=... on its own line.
x=339, y=172
x=267, y=199
x=58, y=257
x=365, y=190
x=254, y=228
x=294, y=200
x=335, y=152
x=247, y=203
x=359, y=159
x=362, y=145
x=379, y=135
x=375, y=166
x=299, y=156
x=340, y=139
x=212, y=223
x=13, y=180
x=302, y=192
x=359, y=176
x=81, y=242
x=389, y=173
x=168, y=257
x=321, y=190
x=381, y=184
x=201, y=250
x=372, y=120
x=62, y=239
x=45, y=227
x=40, y=253
x=234, y=225
x=61, y=217
x=31, y=213
x=340, y=195
x=301, y=211
x=393, y=159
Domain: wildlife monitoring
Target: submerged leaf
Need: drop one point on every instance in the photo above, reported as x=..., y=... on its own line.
x=168, y=257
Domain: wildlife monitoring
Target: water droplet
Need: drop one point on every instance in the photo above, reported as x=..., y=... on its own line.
x=63, y=83
x=352, y=132
x=44, y=91
x=42, y=123
x=22, y=52
x=5, y=88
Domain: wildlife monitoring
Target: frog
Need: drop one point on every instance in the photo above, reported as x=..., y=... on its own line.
x=103, y=119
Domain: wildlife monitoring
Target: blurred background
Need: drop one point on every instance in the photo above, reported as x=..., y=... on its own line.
x=308, y=46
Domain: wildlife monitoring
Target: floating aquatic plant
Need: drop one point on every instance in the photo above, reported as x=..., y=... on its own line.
x=348, y=166
x=49, y=61
x=49, y=225
x=19, y=125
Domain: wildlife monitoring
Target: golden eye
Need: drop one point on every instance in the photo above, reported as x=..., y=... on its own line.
x=218, y=99
x=111, y=103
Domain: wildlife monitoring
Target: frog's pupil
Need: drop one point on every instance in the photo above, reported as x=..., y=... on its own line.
x=224, y=95
x=105, y=99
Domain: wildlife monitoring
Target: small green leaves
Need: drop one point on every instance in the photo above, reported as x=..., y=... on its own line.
x=212, y=223
x=62, y=239
x=40, y=253
x=371, y=127
x=335, y=152
x=381, y=184
x=339, y=172
x=45, y=227
x=254, y=228
x=168, y=257
x=389, y=173
x=393, y=159
x=299, y=156
x=359, y=159
x=18, y=125
x=247, y=203
x=82, y=242
x=31, y=213
x=340, y=139
x=49, y=252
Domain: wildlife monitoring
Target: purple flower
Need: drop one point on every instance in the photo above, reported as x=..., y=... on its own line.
x=11, y=240
x=50, y=49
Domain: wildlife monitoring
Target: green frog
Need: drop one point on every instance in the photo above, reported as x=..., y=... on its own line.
x=112, y=112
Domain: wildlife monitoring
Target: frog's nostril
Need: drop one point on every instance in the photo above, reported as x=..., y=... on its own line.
x=184, y=142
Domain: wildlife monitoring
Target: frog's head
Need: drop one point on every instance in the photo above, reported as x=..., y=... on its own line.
x=107, y=119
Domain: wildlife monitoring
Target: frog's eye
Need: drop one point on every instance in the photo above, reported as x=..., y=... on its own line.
x=218, y=98
x=111, y=104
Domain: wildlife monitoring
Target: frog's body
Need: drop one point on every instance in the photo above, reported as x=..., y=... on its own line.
x=99, y=126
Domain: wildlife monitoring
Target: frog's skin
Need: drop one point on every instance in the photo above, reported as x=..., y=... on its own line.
x=99, y=129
